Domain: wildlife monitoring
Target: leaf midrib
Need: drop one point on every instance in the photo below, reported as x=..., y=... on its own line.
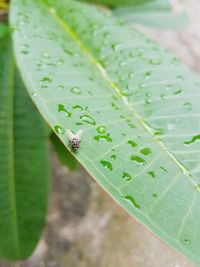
x=106, y=76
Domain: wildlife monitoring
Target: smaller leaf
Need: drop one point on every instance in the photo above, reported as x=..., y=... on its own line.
x=157, y=14
x=63, y=154
x=4, y=30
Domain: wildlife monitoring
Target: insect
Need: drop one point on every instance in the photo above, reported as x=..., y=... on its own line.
x=74, y=139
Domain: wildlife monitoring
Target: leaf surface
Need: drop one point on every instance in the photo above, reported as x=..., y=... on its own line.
x=24, y=169
x=137, y=104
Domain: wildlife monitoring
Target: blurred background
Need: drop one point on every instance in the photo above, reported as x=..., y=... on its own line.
x=85, y=227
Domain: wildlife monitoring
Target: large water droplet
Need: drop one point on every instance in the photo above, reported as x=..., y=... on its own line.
x=126, y=176
x=61, y=108
x=194, y=139
x=101, y=129
x=132, y=201
x=145, y=151
x=132, y=143
x=105, y=137
x=152, y=174
x=113, y=156
x=76, y=90
x=88, y=119
x=59, y=129
x=140, y=161
x=45, y=80
x=107, y=165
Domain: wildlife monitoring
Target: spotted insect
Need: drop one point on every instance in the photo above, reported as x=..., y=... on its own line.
x=74, y=139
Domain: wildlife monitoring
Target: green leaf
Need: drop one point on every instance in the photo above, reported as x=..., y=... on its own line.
x=24, y=167
x=158, y=14
x=64, y=155
x=4, y=30
x=137, y=105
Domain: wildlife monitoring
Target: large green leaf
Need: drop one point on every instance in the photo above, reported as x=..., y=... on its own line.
x=158, y=14
x=24, y=173
x=137, y=105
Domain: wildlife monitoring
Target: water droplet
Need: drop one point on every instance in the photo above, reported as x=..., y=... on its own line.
x=140, y=161
x=126, y=176
x=101, y=129
x=163, y=97
x=61, y=86
x=79, y=123
x=130, y=75
x=24, y=52
x=61, y=108
x=155, y=61
x=105, y=137
x=131, y=125
x=60, y=62
x=147, y=75
x=106, y=34
x=59, y=129
x=34, y=94
x=114, y=106
x=107, y=164
x=180, y=78
x=194, y=139
x=175, y=61
x=152, y=174
x=197, y=83
x=132, y=201
x=147, y=100
x=76, y=90
x=79, y=107
x=145, y=151
x=188, y=105
x=163, y=169
x=158, y=131
x=113, y=156
x=142, y=85
x=187, y=241
x=178, y=91
x=45, y=80
x=88, y=119
x=45, y=55
x=114, y=47
x=132, y=143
